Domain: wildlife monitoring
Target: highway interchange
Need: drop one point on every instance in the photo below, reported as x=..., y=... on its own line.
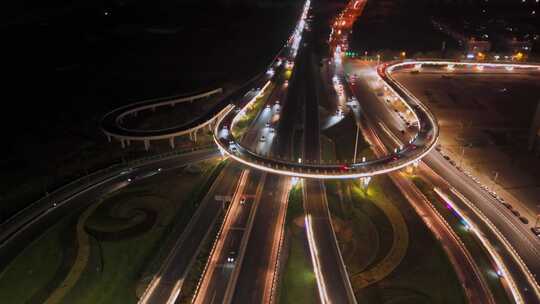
x=244, y=264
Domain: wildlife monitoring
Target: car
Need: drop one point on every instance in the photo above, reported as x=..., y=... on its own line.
x=438, y=148
x=446, y=157
x=268, y=106
x=231, y=257
x=536, y=231
x=289, y=65
x=453, y=163
x=344, y=167
x=242, y=200
x=515, y=212
x=524, y=220
x=263, y=138
x=508, y=206
x=412, y=146
x=277, y=102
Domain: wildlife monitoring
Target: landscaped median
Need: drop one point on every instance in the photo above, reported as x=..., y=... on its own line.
x=391, y=256
x=413, y=268
x=114, y=241
x=298, y=283
x=242, y=123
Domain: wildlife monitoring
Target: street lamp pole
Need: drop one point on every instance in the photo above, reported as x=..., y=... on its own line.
x=495, y=179
x=537, y=216
x=462, y=156
x=356, y=142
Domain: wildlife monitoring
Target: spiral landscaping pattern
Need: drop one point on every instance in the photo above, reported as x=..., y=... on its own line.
x=122, y=219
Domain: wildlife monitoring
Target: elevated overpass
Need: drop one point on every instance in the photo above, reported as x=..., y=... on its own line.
x=419, y=146
x=422, y=143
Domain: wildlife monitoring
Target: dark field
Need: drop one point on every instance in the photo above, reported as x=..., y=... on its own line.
x=69, y=65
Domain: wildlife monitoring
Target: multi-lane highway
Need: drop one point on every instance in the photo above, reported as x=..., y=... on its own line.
x=167, y=283
x=418, y=146
x=226, y=258
x=332, y=278
x=244, y=261
x=522, y=240
x=475, y=286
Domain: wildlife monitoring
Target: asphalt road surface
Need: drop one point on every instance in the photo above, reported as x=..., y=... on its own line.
x=521, y=238
x=333, y=273
x=177, y=265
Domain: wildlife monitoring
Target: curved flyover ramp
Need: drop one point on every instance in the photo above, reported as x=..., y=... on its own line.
x=111, y=124
x=422, y=143
x=416, y=149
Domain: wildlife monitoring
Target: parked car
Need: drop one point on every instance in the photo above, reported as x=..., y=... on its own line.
x=536, y=231
x=507, y=205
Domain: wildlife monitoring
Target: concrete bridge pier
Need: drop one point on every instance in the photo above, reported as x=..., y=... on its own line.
x=146, y=144
x=364, y=183
x=411, y=169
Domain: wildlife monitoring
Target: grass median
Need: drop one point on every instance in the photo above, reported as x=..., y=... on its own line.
x=425, y=274
x=243, y=123
x=406, y=264
x=298, y=282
